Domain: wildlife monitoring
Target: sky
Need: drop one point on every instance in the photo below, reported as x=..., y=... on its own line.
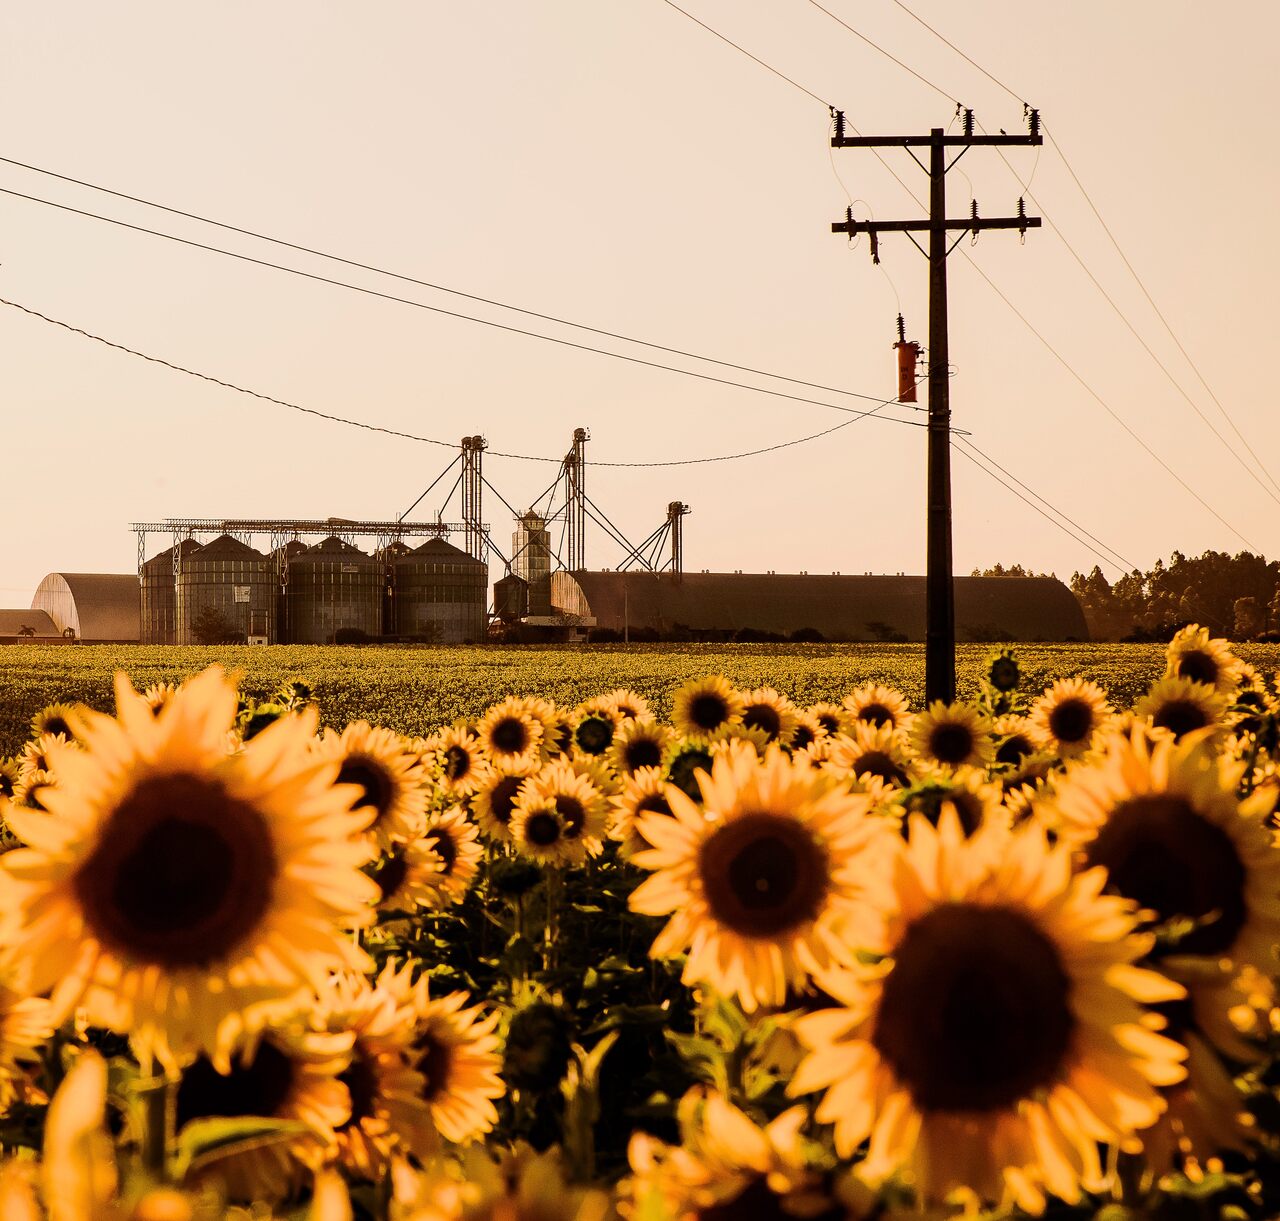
x=616, y=165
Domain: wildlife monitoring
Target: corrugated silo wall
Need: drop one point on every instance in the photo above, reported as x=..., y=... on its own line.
x=440, y=601
x=241, y=588
x=159, y=623
x=329, y=592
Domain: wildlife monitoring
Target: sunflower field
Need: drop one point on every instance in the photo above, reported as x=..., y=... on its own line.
x=724, y=955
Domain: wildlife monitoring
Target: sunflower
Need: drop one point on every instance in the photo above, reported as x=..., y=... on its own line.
x=685, y=760
x=773, y=714
x=35, y=757
x=879, y=705
x=494, y=802
x=832, y=719
x=1164, y=820
x=454, y=1050
x=26, y=1024
x=593, y=733
x=1181, y=706
x=388, y=1115
x=953, y=735
x=177, y=891
x=288, y=1073
x=1015, y=741
x=385, y=789
x=762, y=880
x=406, y=877
x=726, y=1167
x=808, y=730
x=1193, y=655
x=1069, y=716
x=58, y=720
x=706, y=704
x=455, y=761
x=1001, y=1038
x=626, y=705
x=158, y=696
x=510, y=732
x=580, y=806
x=32, y=791
x=639, y=743
x=645, y=792
x=455, y=840
x=10, y=774
x=540, y=832
x=872, y=750
x=1002, y=671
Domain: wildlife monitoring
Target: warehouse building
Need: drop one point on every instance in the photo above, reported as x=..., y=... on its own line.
x=835, y=607
x=29, y=627
x=92, y=607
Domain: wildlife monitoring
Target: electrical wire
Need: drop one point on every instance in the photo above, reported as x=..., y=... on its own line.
x=395, y=275
x=436, y=309
x=408, y=436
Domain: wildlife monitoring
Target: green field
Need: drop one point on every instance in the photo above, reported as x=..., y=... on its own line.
x=414, y=690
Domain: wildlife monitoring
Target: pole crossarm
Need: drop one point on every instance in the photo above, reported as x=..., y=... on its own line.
x=958, y=141
x=854, y=227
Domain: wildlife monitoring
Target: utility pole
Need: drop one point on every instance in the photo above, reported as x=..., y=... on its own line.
x=940, y=613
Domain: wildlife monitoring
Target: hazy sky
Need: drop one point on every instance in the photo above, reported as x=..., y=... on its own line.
x=609, y=162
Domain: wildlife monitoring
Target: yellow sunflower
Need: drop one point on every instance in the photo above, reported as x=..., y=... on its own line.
x=35, y=756
x=406, y=877
x=158, y=695
x=579, y=802
x=1193, y=655
x=26, y=1025
x=627, y=705
x=1182, y=706
x=494, y=802
x=510, y=732
x=770, y=712
x=9, y=778
x=808, y=730
x=872, y=750
x=455, y=840
x=1015, y=741
x=645, y=792
x=455, y=761
x=763, y=881
x=832, y=719
x=706, y=704
x=388, y=1115
x=593, y=733
x=455, y=1051
x=385, y=792
x=289, y=1073
x=686, y=759
x=178, y=890
x=32, y=791
x=1164, y=820
x=540, y=832
x=58, y=720
x=639, y=743
x=1069, y=716
x=1002, y=1036
x=878, y=704
x=953, y=735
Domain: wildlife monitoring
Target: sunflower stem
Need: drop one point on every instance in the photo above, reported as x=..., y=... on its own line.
x=551, y=936
x=158, y=1114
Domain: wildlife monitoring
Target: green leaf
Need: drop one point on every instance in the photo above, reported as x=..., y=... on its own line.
x=203, y=1141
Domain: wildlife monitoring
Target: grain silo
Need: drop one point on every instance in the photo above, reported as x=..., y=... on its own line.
x=440, y=594
x=226, y=587
x=531, y=560
x=160, y=594
x=334, y=592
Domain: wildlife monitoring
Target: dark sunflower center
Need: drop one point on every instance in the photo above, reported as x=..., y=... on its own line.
x=1180, y=717
x=574, y=814
x=830, y=722
x=593, y=735
x=542, y=829
x=684, y=769
x=1071, y=721
x=758, y=1202
x=874, y=714
x=951, y=742
x=1013, y=750
x=444, y=846
x=435, y=1057
x=1199, y=667
x=642, y=752
x=763, y=875
x=457, y=763
x=376, y=788
x=708, y=711
x=259, y=1087
x=361, y=1079
x=34, y=797
x=391, y=873
x=1004, y=674
x=1159, y=852
x=929, y=802
x=654, y=802
x=877, y=763
x=181, y=875
x=502, y=797
x=7, y=785
x=975, y=1013
x=803, y=736
x=510, y=736
x=764, y=717
x=58, y=725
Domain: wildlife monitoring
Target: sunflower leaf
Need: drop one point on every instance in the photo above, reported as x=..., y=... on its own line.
x=203, y=1141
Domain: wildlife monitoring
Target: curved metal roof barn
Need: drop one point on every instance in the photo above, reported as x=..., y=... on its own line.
x=100, y=607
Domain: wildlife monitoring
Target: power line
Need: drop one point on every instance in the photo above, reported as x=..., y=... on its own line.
x=408, y=436
x=455, y=292
x=436, y=309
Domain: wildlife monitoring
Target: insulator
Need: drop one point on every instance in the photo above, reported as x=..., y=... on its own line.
x=973, y=209
x=875, y=247
x=902, y=330
x=1033, y=122
x=838, y=117
x=1022, y=208
x=968, y=122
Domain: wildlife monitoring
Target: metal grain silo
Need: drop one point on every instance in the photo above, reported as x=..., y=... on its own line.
x=333, y=588
x=440, y=594
x=227, y=580
x=160, y=595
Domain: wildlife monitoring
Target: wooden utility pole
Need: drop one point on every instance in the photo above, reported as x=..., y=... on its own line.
x=940, y=613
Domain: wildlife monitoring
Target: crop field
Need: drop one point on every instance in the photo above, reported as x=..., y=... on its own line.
x=415, y=690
